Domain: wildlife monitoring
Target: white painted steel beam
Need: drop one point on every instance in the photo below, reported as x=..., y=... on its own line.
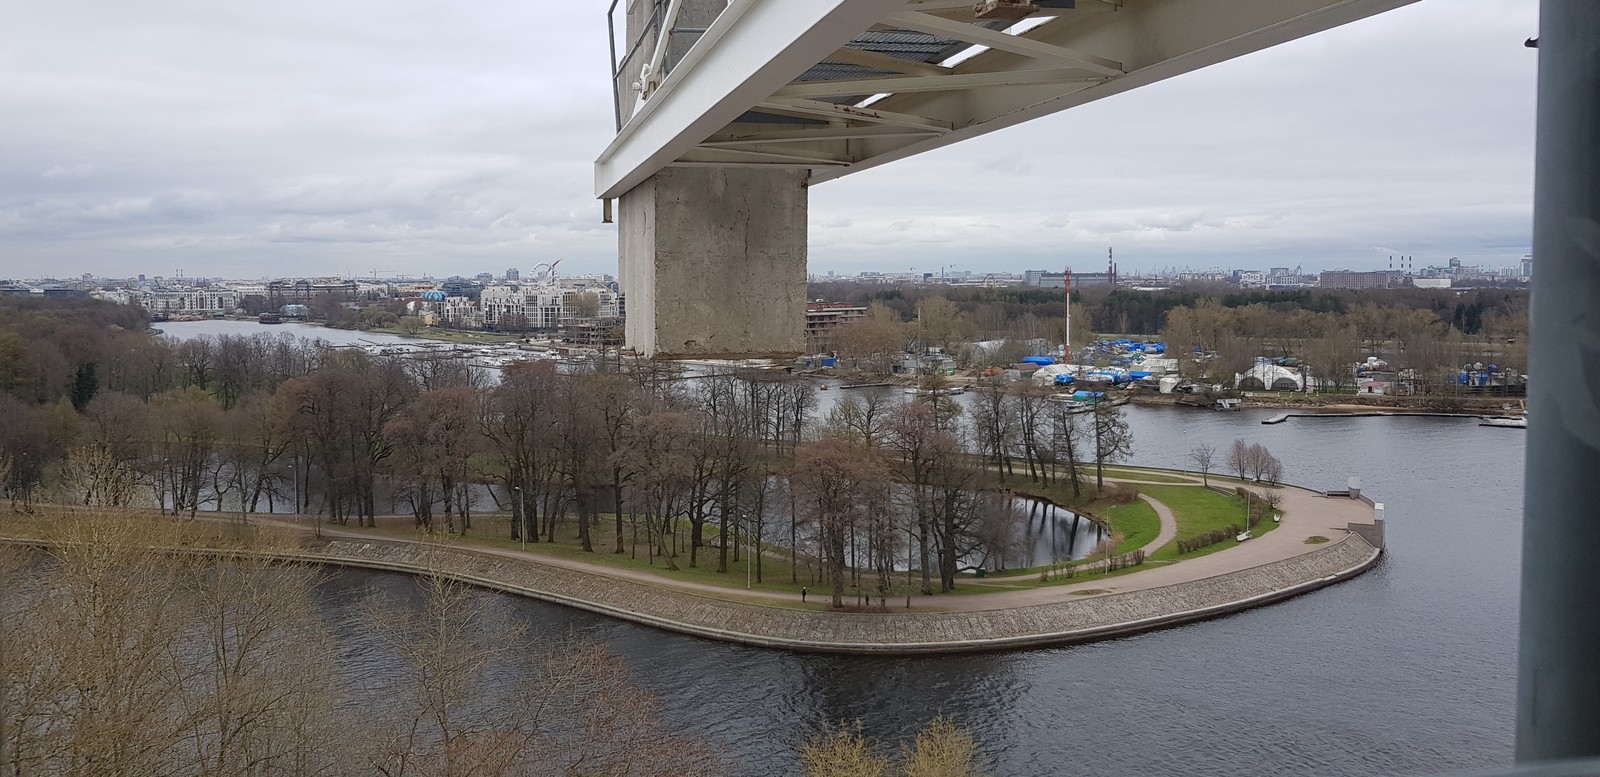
x=913, y=84
x=787, y=156
x=835, y=112
x=962, y=9
x=819, y=134
x=754, y=48
x=1000, y=41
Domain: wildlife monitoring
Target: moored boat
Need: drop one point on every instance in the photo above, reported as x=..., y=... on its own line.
x=1504, y=422
x=924, y=392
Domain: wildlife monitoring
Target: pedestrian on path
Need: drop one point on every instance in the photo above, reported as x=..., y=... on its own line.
x=802, y=594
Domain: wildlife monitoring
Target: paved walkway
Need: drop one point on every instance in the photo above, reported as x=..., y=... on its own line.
x=1169, y=525
x=1080, y=619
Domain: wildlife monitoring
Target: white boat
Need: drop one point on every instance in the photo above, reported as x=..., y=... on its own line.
x=1506, y=422
x=922, y=392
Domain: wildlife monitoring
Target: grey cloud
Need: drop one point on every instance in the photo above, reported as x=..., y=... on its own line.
x=297, y=137
x=62, y=171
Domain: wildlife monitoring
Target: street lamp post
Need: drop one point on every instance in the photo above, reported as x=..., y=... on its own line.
x=747, y=551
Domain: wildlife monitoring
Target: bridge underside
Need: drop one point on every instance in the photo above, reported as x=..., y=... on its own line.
x=771, y=96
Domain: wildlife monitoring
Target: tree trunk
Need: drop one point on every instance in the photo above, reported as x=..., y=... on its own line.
x=616, y=503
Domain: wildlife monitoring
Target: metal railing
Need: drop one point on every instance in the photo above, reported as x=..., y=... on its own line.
x=650, y=31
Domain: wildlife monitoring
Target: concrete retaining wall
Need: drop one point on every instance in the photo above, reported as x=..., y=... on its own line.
x=1081, y=620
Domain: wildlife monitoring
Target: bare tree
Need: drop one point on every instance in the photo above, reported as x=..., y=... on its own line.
x=941, y=749
x=842, y=752
x=1030, y=413
x=104, y=466
x=124, y=660
x=1262, y=464
x=514, y=419
x=1113, y=440
x=433, y=438
x=1203, y=456
x=1239, y=458
x=835, y=479
x=863, y=420
x=446, y=648
x=994, y=428
x=187, y=423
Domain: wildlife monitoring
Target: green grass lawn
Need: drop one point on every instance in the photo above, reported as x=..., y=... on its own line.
x=1137, y=522
x=1154, y=476
x=1199, y=511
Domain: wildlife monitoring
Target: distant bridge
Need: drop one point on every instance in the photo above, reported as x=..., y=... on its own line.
x=727, y=111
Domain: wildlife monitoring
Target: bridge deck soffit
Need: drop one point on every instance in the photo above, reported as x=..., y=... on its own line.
x=837, y=86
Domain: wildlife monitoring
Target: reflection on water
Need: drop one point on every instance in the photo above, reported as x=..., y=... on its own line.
x=1052, y=534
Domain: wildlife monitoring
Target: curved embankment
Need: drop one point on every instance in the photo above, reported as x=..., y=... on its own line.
x=1055, y=623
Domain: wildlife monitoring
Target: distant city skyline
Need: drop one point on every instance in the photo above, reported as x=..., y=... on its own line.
x=411, y=138
x=1495, y=261
x=1405, y=265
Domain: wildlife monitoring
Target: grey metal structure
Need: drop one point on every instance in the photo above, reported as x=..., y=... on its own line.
x=1558, y=694
x=833, y=87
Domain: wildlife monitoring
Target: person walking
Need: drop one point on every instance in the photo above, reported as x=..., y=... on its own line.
x=802, y=594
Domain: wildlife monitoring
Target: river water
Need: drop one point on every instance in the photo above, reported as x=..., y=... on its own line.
x=186, y=330
x=1407, y=669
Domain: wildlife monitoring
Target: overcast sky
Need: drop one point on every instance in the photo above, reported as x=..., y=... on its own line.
x=306, y=138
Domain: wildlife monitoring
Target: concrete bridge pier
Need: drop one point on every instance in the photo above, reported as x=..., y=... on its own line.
x=713, y=260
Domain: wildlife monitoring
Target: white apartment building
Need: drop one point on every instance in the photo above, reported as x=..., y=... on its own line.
x=170, y=300
x=460, y=312
x=542, y=307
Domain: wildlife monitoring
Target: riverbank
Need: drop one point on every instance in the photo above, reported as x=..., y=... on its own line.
x=1346, y=404
x=1282, y=564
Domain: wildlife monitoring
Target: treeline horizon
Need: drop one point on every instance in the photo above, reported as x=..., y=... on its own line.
x=1143, y=313
x=1427, y=335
